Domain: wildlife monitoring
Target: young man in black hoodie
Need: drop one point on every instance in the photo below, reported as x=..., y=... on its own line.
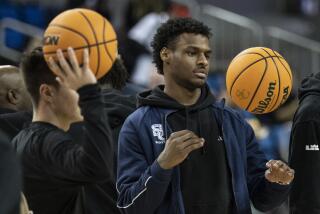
x=183, y=152
x=304, y=156
x=56, y=167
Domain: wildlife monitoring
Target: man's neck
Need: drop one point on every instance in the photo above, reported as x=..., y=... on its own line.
x=182, y=95
x=45, y=114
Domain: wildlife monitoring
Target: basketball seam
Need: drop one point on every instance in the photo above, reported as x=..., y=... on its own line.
x=258, y=86
x=240, y=73
x=95, y=38
x=72, y=30
x=103, y=36
x=279, y=81
x=283, y=65
x=81, y=47
x=252, y=53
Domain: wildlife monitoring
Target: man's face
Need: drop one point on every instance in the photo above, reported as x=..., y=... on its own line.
x=189, y=61
x=66, y=104
x=14, y=94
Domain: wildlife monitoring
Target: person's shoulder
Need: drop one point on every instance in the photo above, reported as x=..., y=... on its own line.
x=308, y=110
x=138, y=114
x=41, y=132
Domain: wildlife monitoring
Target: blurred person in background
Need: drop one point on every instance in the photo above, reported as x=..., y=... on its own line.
x=304, y=149
x=13, y=94
x=15, y=102
x=142, y=19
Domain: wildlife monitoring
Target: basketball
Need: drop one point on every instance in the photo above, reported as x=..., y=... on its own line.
x=79, y=29
x=259, y=80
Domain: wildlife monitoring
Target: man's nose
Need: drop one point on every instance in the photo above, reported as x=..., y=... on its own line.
x=203, y=60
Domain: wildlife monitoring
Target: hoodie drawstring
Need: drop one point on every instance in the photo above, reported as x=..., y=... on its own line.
x=204, y=147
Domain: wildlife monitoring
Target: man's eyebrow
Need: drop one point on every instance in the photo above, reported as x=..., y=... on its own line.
x=198, y=48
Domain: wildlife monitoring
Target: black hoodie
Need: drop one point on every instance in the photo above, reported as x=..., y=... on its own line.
x=82, y=174
x=205, y=176
x=304, y=149
x=117, y=107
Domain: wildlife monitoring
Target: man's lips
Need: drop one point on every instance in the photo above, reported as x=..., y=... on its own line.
x=201, y=73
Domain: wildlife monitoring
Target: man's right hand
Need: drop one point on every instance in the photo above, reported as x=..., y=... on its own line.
x=178, y=147
x=72, y=75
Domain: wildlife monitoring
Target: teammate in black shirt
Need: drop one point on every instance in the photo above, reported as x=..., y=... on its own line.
x=56, y=168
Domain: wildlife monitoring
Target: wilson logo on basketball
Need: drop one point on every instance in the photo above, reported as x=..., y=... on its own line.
x=264, y=75
x=263, y=104
x=51, y=40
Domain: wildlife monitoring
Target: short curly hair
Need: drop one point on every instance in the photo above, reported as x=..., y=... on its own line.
x=168, y=32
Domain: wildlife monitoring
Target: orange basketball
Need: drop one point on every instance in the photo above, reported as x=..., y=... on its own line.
x=259, y=80
x=79, y=29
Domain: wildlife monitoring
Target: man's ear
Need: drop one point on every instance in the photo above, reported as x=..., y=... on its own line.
x=46, y=92
x=165, y=55
x=13, y=96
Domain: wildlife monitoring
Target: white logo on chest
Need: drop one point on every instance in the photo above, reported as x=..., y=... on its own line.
x=157, y=131
x=312, y=148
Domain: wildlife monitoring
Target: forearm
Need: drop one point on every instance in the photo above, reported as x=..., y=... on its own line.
x=95, y=135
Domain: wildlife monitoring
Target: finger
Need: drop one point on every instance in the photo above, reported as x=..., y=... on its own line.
x=270, y=162
x=278, y=165
x=291, y=172
x=63, y=63
x=179, y=133
x=285, y=167
x=190, y=142
x=60, y=80
x=53, y=66
x=268, y=175
x=193, y=146
x=85, y=59
x=185, y=137
x=73, y=60
x=274, y=163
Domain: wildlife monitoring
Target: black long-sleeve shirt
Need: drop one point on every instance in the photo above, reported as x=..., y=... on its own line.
x=56, y=169
x=304, y=149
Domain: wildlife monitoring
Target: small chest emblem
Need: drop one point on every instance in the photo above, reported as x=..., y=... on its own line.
x=157, y=132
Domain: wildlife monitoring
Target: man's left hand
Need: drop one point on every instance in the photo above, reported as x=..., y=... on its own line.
x=279, y=172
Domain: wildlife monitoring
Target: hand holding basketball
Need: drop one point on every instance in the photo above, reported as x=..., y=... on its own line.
x=82, y=29
x=72, y=76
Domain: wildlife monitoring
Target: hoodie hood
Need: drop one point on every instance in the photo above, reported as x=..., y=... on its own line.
x=310, y=85
x=158, y=98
